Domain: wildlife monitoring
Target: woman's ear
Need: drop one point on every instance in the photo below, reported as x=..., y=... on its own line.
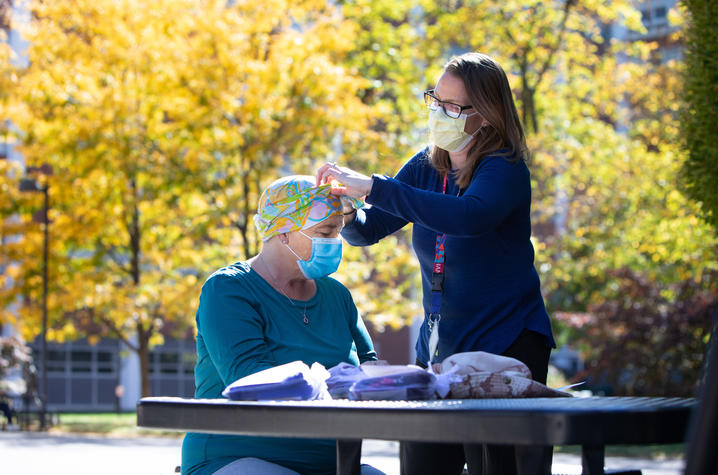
x=283, y=238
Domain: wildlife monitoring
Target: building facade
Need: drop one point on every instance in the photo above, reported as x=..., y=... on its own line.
x=106, y=376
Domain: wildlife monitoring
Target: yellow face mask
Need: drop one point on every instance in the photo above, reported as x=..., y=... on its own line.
x=448, y=133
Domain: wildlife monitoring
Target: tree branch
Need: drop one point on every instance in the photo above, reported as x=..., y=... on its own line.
x=116, y=330
x=114, y=257
x=562, y=29
x=506, y=25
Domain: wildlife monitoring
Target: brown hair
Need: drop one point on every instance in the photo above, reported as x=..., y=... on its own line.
x=490, y=95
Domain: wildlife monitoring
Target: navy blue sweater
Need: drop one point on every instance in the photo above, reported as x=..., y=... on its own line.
x=491, y=288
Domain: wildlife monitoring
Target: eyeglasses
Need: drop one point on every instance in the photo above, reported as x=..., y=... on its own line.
x=449, y=108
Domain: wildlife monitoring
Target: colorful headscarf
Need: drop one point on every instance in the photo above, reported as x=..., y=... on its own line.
x=295, y=202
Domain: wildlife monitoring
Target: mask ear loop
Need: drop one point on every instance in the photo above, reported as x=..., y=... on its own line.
x=285, y=240
x=484, y=124
x=292, y=251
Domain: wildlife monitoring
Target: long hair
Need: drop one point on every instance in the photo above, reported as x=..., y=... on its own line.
x=490, y=95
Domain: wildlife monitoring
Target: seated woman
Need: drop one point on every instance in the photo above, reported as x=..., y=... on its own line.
x=277, y=307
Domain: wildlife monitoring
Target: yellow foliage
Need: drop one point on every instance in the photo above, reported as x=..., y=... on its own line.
x=160, y=123
x=164, y=124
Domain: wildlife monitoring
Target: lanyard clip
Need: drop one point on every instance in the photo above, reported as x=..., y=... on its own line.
x=437, y=282
x=433, y=337
x=433, y=320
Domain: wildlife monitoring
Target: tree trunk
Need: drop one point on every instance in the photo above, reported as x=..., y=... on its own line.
x=528, y=109
x=247, y=210
x=134, y=231
x=143, y=335
x=143, y=353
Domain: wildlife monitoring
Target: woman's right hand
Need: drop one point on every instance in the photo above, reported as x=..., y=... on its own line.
x=350, y=183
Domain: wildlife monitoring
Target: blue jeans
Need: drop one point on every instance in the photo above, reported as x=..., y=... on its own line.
x=255, y=466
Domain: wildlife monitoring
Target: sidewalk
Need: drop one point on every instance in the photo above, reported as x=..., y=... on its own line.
x=31, y=453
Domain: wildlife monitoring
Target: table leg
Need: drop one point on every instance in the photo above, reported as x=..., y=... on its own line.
x=349, y=457
x=592, y=459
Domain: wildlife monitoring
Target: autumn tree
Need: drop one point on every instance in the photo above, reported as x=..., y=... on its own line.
x=602, y=123
x=385, y=278
x=163, y=124
x=647, y=340
x=11, y=201
x=163, y=127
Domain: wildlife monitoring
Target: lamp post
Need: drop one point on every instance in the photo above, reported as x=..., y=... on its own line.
x=32, y=185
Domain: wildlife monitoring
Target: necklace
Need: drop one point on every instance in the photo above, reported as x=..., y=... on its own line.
x=281, y=289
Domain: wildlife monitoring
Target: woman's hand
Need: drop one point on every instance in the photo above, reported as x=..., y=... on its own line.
x=350, y=183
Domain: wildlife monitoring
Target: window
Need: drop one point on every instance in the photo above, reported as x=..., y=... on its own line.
x=105, y=362
x=56, y=361
x=188, y=362
x=172, y=368
x=655, y=17
x=81, y=361
x=169, y=363
x=646, y=17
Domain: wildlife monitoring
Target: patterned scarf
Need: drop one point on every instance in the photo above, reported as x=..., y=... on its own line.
x=294, y=203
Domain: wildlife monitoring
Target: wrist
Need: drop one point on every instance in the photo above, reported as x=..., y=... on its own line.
x=350, y=216
x=369, y=186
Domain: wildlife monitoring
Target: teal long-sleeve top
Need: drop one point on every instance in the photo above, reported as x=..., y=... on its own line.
x=245, y=326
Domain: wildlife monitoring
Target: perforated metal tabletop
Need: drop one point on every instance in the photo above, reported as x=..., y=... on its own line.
x=590, y=422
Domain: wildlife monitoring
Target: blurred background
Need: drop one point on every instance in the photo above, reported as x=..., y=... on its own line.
x=136, y=137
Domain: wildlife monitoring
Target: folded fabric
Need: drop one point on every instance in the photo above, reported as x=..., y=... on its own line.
x=291, y=381
x=507, y=384
x=486, y=375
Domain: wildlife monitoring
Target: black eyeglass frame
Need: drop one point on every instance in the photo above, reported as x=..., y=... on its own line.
x=430, y=99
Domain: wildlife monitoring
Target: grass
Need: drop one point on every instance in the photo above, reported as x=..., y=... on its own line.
x=122, y=424
x=654, y=452
x=125, y=425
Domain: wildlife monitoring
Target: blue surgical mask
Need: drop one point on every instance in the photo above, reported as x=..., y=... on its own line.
x=326, y=256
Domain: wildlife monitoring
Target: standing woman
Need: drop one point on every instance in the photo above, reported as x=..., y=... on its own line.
x=469, y=198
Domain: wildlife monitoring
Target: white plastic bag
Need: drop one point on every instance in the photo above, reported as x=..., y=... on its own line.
x=291, y=381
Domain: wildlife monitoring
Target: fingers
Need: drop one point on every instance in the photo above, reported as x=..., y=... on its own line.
x=339, y=190
x=325, y=173
x=330, y=174
x=321, y=173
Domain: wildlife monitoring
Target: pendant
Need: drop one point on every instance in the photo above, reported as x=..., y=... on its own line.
x=306, y=320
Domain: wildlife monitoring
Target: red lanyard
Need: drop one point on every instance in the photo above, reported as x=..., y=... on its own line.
x=437, y=277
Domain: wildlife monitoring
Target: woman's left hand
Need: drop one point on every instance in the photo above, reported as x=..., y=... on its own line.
x=351, y=183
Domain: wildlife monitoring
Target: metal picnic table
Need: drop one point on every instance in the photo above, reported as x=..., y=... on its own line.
x=592, y=422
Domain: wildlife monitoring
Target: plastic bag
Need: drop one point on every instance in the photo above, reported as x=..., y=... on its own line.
x=291, y=381
x=341, y=378
x=445, y=380
x=394, y=383
x=477, y=361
